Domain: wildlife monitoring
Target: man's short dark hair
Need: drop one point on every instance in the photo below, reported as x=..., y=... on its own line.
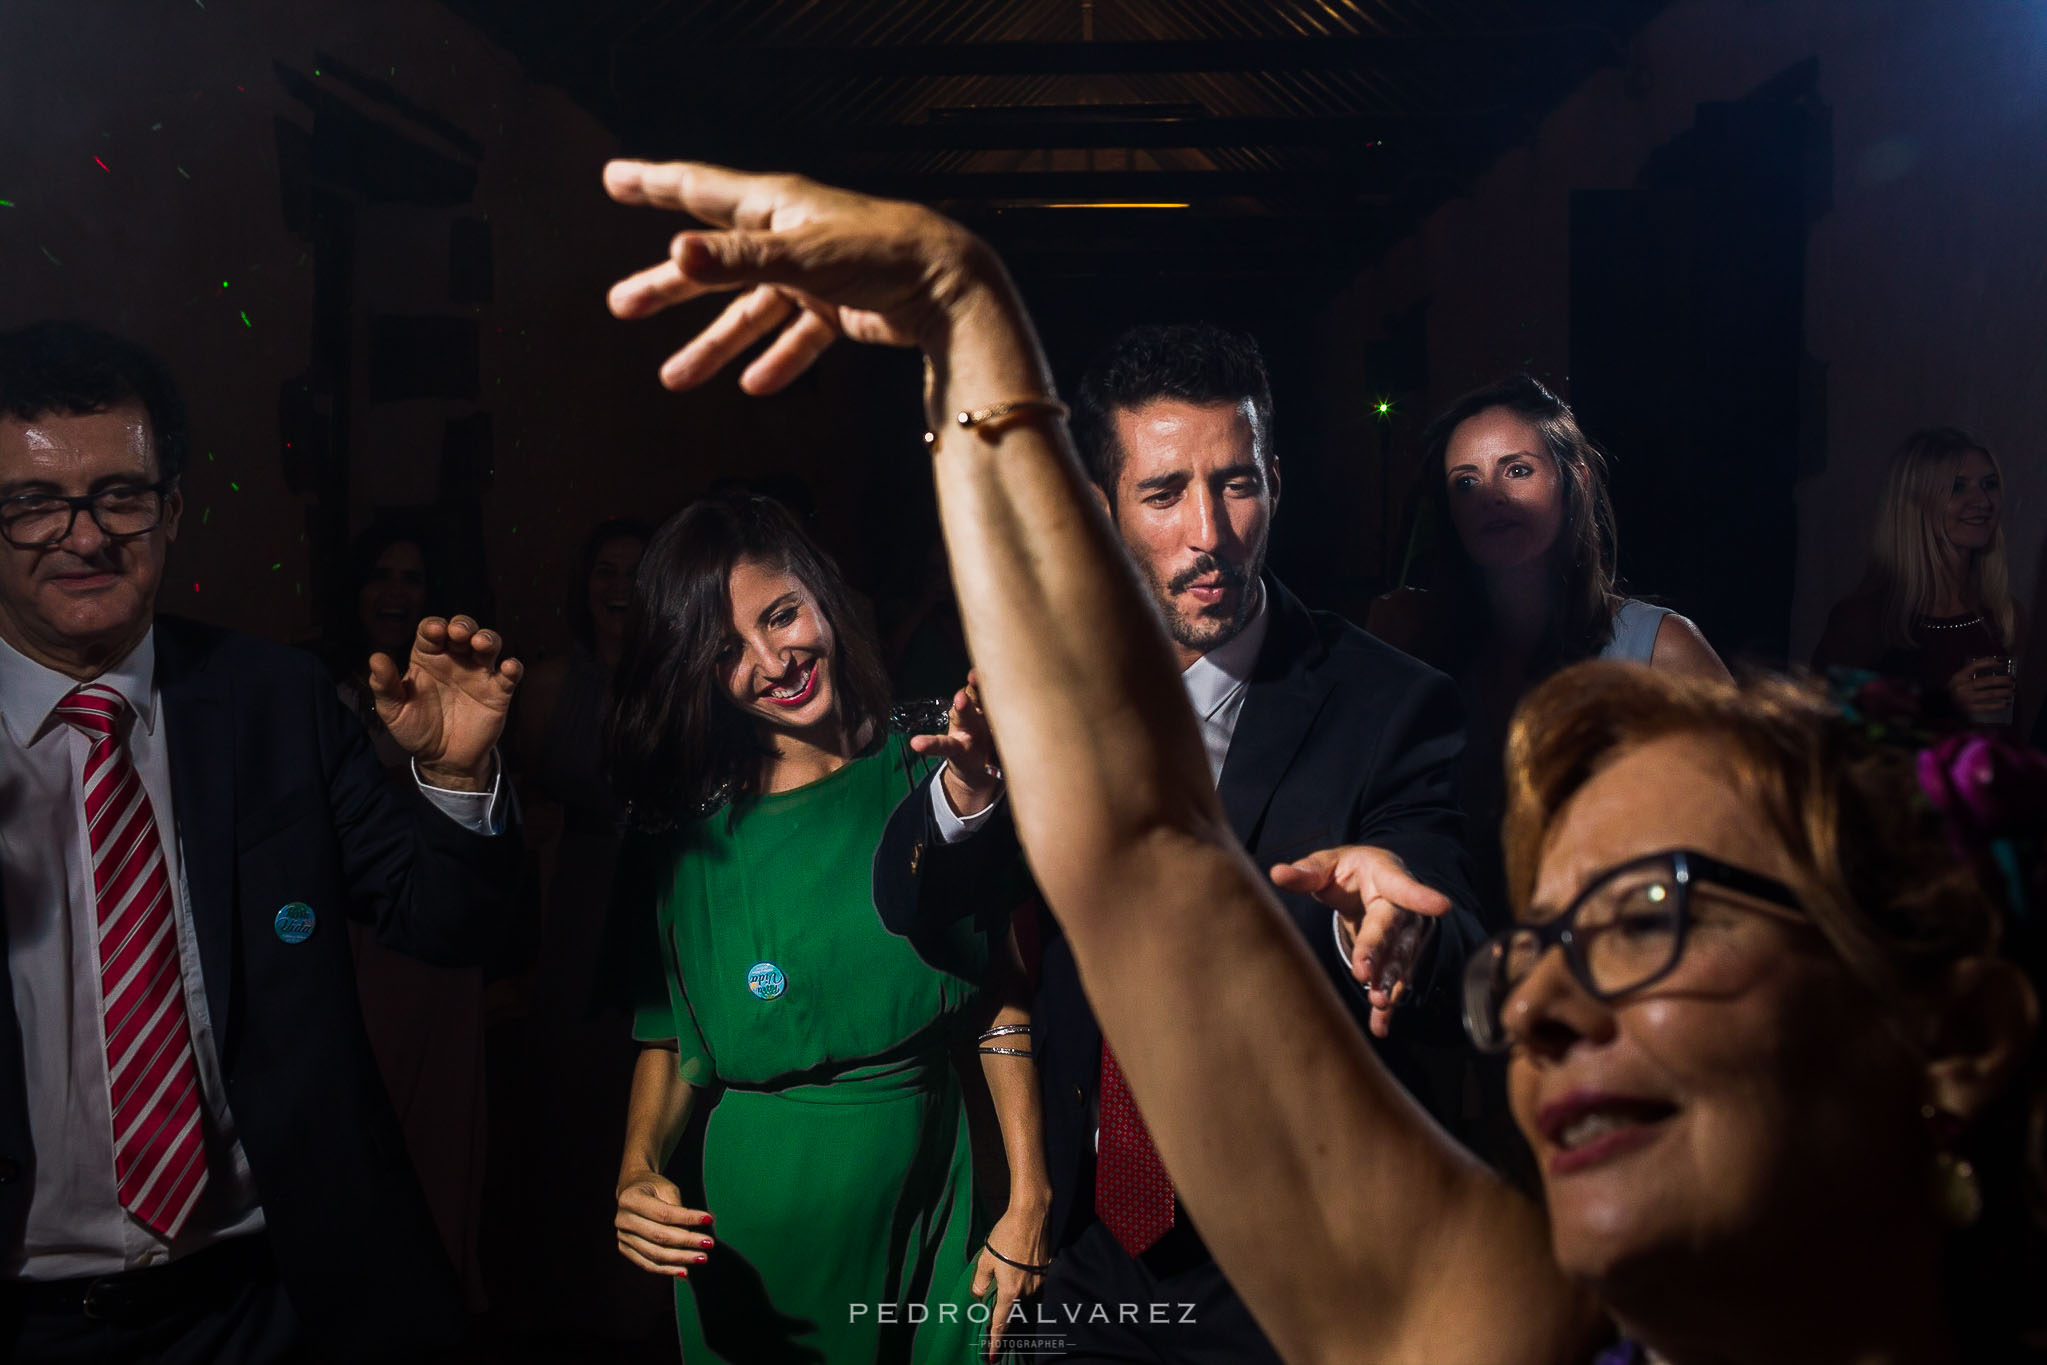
x=74, y=369
x=1193, y=362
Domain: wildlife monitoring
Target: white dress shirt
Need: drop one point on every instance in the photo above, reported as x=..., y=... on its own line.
x=76, y=1225
x=1216, y=683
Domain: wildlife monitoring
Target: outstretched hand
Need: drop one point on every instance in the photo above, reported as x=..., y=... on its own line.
x=1386, y=912
x=449, y=705
x=971, y=775
x=814, y=262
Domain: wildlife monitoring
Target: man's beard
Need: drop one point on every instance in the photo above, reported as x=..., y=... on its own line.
x=1208, y=627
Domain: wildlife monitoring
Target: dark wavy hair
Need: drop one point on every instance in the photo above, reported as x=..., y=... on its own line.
x=675, y=747
x=1583, y=597
x=1196, y=362
x=76, y=369
x=577, y=604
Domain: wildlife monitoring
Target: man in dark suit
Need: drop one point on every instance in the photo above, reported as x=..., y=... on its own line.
x=1317, y=734
x=198, y=1162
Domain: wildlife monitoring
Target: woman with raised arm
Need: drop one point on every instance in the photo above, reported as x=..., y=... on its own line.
x=1765, y=1041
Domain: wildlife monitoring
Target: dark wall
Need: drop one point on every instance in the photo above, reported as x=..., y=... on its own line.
x=1747, y=311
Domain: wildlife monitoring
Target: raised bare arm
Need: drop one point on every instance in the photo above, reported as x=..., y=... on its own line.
x=1352, y=1226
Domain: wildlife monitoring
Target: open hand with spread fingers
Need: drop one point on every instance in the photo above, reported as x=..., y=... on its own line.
x=1386, y=913
x=809, y=261
x=449, y=705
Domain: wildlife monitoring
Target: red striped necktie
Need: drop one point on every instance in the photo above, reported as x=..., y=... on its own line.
x=159, y=1153
x=1133, y=1195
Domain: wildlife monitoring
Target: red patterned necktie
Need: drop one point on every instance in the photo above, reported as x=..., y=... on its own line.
x=159, y=1154
x=1133, y=1195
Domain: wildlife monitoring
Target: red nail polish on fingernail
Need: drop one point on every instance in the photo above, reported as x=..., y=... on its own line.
x=701, y=1258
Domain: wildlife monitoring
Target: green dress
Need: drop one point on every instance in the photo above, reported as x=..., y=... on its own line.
x=834, y=1156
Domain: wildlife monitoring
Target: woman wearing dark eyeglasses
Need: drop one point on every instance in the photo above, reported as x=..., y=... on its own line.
x=1768, y=1038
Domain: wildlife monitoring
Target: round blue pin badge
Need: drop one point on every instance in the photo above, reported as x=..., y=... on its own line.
x=765, y=980
x=295, y=922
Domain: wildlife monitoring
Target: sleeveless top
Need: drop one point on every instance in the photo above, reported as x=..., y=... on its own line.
x=1634, y=631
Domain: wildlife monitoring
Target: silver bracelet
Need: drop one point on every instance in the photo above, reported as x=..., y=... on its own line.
x=1004, y=1031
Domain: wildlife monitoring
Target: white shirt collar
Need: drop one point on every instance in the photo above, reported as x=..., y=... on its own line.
x=1214, y=677
x=29, y=692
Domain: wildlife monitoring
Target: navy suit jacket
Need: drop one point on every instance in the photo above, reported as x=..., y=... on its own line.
x=279, y=799
x=1342, y=740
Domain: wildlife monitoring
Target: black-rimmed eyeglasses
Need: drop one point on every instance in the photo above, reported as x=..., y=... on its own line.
x=36, y=521
x=1626, y=930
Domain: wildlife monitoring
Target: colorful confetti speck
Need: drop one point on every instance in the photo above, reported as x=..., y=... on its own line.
x=52, y=256
x=233, y=485
x=245, y=320
x=182, y=171
x=206, y=516
x=103, y=166
x=6, y=203
x=209, y=454
x=275, y=567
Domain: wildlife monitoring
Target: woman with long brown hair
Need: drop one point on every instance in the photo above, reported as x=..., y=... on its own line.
x=1521, y=579
x=750, y=738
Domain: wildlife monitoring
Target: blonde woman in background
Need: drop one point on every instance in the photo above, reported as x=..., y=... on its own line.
x=1936, y=605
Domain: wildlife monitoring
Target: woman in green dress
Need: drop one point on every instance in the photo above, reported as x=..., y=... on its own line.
x=823, y=1209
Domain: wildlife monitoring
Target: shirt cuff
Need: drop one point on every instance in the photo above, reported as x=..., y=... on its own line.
x=953, y=829
x=1342, y=957
x=478, y=812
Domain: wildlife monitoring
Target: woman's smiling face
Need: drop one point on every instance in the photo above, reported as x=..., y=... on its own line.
x=776, y=659
x=1746, y=1098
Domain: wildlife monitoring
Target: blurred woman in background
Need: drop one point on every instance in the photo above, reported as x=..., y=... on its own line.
x=1935, y=606
x=426, y=1023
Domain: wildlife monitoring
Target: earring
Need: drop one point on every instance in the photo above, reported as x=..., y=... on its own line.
x=1957, y=1190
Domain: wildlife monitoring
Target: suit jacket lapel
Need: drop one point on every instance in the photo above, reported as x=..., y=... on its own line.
x=1280, y=704
x=201, y=743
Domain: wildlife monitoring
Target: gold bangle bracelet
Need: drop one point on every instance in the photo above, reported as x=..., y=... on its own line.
x=994, y=413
